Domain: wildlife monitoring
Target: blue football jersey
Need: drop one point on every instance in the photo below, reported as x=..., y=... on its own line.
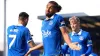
x=65, y=50
x=51, y=35
x=93, y=54
x=84, y=41
x=18, y=36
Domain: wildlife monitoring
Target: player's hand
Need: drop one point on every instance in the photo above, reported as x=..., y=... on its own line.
x=83, y=55
x=74, y=46
x=29, y=51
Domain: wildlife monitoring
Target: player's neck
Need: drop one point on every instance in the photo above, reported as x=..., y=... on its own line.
x=20, y=23
x=77, y=30
x=47, y=18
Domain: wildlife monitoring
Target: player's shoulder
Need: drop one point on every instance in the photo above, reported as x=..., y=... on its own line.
x=23, y=29
x=59, y=18
x=26, y=29
x=85, y=32
x=57, y=15
x=11, y=26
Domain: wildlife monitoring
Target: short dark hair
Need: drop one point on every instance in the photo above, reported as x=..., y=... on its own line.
x=23, y=15
x=56, y=5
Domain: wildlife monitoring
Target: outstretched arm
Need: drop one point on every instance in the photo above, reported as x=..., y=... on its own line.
x=68, y=40
x=62, y=26
x=34, y=48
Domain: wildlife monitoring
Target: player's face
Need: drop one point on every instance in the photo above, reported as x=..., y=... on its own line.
x=49, y=10
x=74, y=25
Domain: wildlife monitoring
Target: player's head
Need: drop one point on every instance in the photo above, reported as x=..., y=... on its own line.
x=74, y=23
x=51, y=8
x=23, y=18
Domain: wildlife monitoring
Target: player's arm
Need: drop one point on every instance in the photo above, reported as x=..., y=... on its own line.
x=34, y=48
x=28, y=38
x=62, y=26
x=65, y=35
x=31, y=44
x=68, y=40
x=89, y=45
x=89, y=50
x=65, y=49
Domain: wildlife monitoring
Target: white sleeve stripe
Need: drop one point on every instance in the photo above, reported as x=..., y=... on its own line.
x=29, y=41
x=62, y=26
x=65, y=43
x=89, y=44
x=67, y=54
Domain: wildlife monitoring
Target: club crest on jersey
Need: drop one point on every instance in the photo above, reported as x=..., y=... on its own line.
x=51, y=22
x=89, y=41
x=81, y=38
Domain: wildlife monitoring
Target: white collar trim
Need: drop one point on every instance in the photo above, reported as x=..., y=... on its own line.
x=19, y=25
x=79, y=33
x=50, y=17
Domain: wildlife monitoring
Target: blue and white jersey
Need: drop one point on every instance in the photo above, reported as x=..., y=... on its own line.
x=93, y=54
x=18, y=36
x=51, y=35
x=84, y=41
x=65, y=50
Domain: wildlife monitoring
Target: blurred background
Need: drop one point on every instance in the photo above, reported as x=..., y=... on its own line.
x=87, y=10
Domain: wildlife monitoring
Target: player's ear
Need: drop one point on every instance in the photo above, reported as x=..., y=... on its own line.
x=26, y=20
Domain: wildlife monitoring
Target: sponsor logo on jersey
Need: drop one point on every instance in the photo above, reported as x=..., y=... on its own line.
x=46, y=33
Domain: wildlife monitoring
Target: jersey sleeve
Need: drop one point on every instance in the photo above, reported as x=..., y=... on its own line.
x=28, y=37
x=89, y=45
x=89, y=41
x=65, y=48
x=61, y=22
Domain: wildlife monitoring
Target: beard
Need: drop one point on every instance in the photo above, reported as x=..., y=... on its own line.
x=49, y=14
x=25, y=24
